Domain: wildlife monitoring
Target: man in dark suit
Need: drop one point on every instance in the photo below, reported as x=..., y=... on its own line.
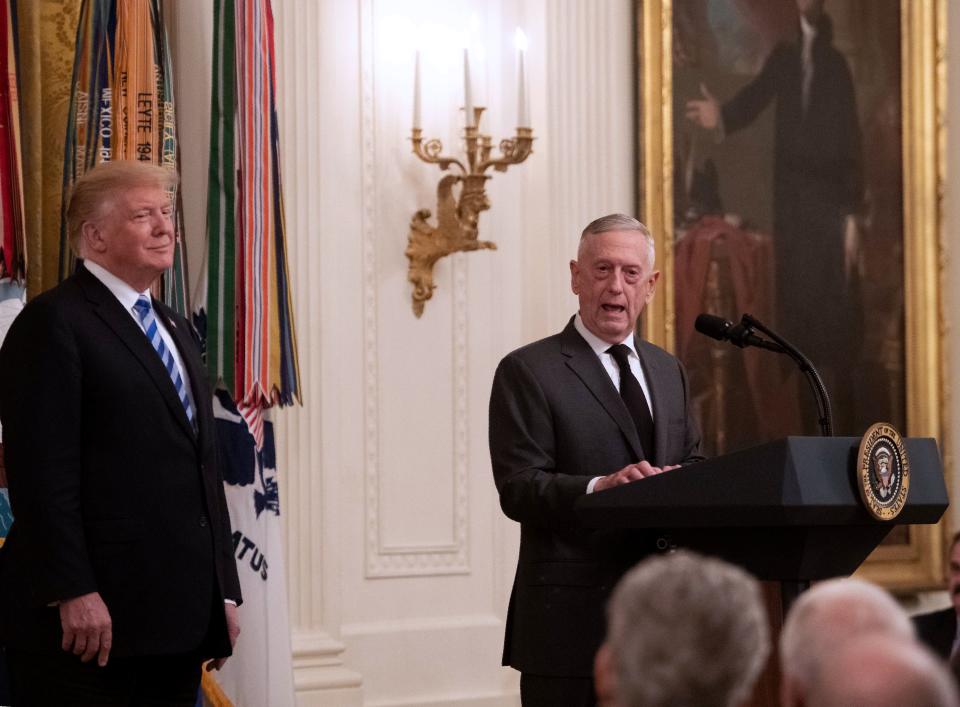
x=817, y=190
x=117, y=579
x=578, y=412
x=938, y=629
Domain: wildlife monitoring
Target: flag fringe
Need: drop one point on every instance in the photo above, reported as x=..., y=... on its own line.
x=213, y=694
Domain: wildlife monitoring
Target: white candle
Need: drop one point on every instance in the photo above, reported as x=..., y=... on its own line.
x=467, y=92
x=416, y=92
x=523, y=110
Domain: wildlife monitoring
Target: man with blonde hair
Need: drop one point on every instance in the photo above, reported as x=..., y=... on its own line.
x=118, y=578
x=682, y=631
x=822, y=620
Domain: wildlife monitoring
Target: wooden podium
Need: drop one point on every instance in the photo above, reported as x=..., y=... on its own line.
x=787, y=511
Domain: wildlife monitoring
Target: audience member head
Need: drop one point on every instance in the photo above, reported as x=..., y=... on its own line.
x=882, y=671
x=683, y=631
x=825, y=617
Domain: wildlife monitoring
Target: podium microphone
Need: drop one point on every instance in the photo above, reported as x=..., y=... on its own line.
x=738, y=334
x=713, y=326
x=742, y=335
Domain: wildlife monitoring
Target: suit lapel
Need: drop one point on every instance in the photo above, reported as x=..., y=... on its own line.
x=122, y=324
x=584, y=363
x=655, y=378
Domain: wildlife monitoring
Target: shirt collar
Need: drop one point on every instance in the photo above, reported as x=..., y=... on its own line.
x=126, y=295
x=598, y=345
x=809, y=30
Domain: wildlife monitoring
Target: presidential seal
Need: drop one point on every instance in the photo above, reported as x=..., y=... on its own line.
x=883, y=471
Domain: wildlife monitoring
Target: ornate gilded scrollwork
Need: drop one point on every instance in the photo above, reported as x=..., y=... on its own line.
x=458, y=215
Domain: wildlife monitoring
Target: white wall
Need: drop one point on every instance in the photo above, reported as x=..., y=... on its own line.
x=398, y=557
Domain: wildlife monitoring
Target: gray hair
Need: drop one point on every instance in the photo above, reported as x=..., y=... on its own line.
x=686, y=630
x=883, y=671
x=616, y=222
x=831, y=613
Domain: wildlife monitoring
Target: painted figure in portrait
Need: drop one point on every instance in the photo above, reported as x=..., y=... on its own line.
x=788, y=205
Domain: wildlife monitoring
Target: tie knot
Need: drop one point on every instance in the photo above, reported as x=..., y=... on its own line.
x=621, y=354
x=142, y=306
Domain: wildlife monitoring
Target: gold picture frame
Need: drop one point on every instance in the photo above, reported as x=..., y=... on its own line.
x=917, y=563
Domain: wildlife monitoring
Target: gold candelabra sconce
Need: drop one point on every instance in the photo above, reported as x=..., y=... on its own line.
x=457, y=215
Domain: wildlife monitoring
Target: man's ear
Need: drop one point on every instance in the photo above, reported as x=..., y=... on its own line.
x=574, y=271
x=604, y=677
x=654, y=277
x=91, y=237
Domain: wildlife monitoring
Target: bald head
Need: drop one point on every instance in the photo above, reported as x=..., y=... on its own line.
x=825, y=617
x=882, y=671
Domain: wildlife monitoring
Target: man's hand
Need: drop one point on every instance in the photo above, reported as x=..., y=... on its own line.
x=629, y=473
x=233, y=630
x=704, y=112
x=87, y=627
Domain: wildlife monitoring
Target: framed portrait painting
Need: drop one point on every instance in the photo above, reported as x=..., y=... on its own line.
x=790, y=168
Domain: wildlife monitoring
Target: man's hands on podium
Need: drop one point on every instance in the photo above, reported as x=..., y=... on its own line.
x=631, y=472
x=87, y=627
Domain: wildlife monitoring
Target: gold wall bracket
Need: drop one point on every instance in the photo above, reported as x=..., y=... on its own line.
x=457, y=216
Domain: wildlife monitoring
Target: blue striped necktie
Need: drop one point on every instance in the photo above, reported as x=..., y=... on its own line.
x=144, y=311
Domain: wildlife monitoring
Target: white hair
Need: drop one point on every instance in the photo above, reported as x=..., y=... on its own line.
x=831, y=613
x=617, y=222
x=882, y=671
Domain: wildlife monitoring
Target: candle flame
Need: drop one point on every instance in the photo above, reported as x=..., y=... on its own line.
x=520, y=40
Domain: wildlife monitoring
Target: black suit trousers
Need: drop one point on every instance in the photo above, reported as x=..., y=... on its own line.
x=61, y=679
x=545, y=691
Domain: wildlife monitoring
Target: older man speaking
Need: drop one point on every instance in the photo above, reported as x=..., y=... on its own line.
x=589, y=408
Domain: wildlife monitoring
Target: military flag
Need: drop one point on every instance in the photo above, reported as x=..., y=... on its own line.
x=247, y=323
x=260, y=672
x=122, y=108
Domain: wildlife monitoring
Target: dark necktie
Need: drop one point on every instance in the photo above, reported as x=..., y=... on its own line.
x=633, y=397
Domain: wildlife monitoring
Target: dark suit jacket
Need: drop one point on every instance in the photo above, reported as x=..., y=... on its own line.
x=111, y=489
x=556, y=421
x=937, y=630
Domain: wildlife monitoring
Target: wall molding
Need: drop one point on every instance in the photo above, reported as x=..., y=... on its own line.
x=383, y=558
